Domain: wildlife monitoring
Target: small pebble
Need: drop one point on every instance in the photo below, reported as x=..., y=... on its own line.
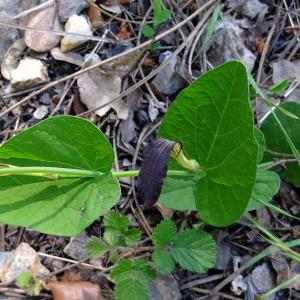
x=75, y=24
x=41, y=112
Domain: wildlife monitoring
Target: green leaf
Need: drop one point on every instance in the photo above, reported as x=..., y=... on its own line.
x=116, y=221
x=292, y=174
x=266, y=186
x=68, y=205
x=116, y=230
x=279, y=87
x=178, y=194
x=161, y=17
x=275, y=139
x=194, y=250
x=163, y=261
x=61, y=207
x=61, y=141
x=260, y=139
x=131, y=289
x=148, y=31
x=133, y=269
x=163, y=233
x=213, y=120
x=96, y=248
x=132, y=237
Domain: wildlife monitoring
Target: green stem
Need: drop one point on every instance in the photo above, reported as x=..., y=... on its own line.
x=135, y=173
x=54, y=173
x=45, y=171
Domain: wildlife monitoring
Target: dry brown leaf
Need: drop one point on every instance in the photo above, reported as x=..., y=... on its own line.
x=123, y=33
x=259, y=45
x=98, y=88
x=79, y=290
x=95, y=16
x=123, y=2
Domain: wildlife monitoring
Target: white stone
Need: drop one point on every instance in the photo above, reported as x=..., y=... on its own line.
x=75, y=24
x=41, y=112
x=30, y=72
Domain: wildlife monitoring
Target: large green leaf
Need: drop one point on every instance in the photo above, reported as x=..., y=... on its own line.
x=68, y=205
x=275, y=139
x=178, y=193
x=62, y=141
x=266, y=186
x=213, y=120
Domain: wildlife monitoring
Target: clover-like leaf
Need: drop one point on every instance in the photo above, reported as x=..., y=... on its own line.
x=96, y=247
x=164, y=261
x=164, y=233
x=213, y=120
x=131, y=289
x=194, y=250
x=135, y=269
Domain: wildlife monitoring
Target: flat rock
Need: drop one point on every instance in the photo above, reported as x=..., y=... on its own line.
x=30, y=72
x=22, y=259
x=8, y=35
x=164, y=288
x=168, y=81
x=12, y=58
x=77, y=247
x=75, y=24
x=43, y=41
x=68, y=8
x=249, y=8
x=15, y=7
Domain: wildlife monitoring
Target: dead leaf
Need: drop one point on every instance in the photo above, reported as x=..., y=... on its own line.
x=79, y=290
x=70, y=57
x=125, y=64
x=259, y=45
x=123, y=33
x=95, y=16
x=123, y=2
x=98, y=88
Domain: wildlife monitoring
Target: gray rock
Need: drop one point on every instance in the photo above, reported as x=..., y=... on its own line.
x=67, y=8
x=249, y=8
x=41, y=112
x=261, y=280
x=8, y=35
x=15, y=7
x=77, y=247
x=168, y=81
x=164, y=288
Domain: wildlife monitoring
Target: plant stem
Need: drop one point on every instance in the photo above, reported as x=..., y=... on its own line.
x=135, y=173
x=55, y=173
x=45, y=171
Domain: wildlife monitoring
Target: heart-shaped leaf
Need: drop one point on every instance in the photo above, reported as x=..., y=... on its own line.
x=213, y=120
x=68, y=205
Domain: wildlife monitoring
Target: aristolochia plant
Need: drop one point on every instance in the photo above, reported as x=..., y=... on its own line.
x=57, y=178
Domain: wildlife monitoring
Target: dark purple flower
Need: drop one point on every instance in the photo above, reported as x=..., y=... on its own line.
x=154, y=169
